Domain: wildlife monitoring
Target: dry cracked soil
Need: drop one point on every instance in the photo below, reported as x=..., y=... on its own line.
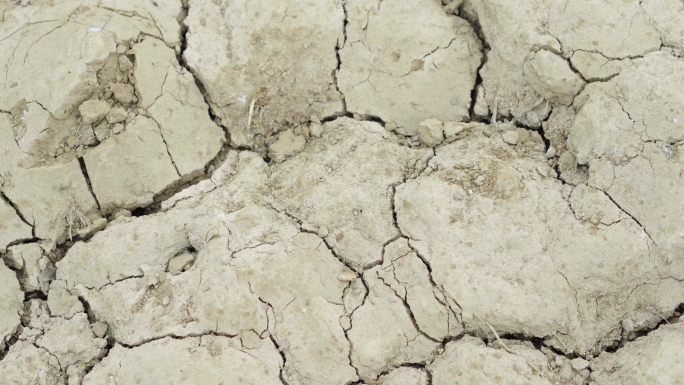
x=377, y=192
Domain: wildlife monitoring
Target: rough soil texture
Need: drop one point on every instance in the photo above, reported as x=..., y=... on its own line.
x=378, y=192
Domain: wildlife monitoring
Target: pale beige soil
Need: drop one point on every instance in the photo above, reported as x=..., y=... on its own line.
x=394, y=192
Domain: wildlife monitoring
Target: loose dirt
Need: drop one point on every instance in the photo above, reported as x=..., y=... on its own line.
x=378, y=192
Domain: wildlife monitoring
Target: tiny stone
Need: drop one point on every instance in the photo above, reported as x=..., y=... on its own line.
x=316, y=129
x=452, y=129
x=510, y=137
x=72, y=141
x=123, y=93
x=390, y=126
x=93, y=111
x=627, y=326
x=523, y=134
x=117, y=128
x=102, y=131
x=431, y=132
x=543, y=171
x=579, y=364
x=124, y=63
x=97, y=225
x=122, y=214
x=551, y=152
x=117, y=115
x=180, y=263
x=323, y=232
x=100, y=329
x=287, y=144
x=14, y=260
x=347, y=276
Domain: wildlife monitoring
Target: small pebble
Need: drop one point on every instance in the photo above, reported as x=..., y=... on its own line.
x=510, y=137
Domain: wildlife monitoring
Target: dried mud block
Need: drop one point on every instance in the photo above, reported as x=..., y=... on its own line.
x=191, y=195
x=503, y=82
x=128, y=170
x=180, y=263
x=656, y=358
x=93, y=111
x=159, y=19
x=24, y=44
x=30, y=127
x=36, y=269
x=85, y=33
x=44, y=367
x=602, y=129
x=343, y=181
x=176, y=104
x=667, y=17
x=551, y=76
x=556, y=27
x=198, y=301
x=286, y=145
x=12, y=227
x=298, y=279
x=503, y=242
x=242, y=178
x=628, y=131
x=61, y=302
x=117, y=115
x=123, y=93
x=118, y=252
x=431, y=132
x=206, y=360
x=404, y=271
x=153, y=59
x=243, y=53
x=405, y=376
x=251, y=225
x=382, y=334
x=128, y=288
x=582, y=25
x=470, y=361
x=193, y=139
x=55, y=198
x=11, y=304
x=429, y=62
x=594, y=206
x=72, y=341
x=594, y=66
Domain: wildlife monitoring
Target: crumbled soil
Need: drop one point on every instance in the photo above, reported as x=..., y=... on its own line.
x=379, y=192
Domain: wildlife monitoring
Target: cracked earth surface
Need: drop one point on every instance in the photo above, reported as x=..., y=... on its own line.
x=378, y=192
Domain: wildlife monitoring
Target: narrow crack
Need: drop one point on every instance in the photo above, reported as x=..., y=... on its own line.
x=338, y=47
x=176, y=337
x=84, y=171
x=19, y=214
x=271, y=333
x=183, y=63
x=166, y=145
x=629, y=215
x=409, y=312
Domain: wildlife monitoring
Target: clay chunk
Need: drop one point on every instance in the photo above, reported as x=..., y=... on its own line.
x=131, y=168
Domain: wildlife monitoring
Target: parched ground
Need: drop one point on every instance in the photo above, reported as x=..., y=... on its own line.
x=378, y=192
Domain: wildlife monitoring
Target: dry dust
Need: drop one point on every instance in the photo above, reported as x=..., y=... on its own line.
x=379, y=192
